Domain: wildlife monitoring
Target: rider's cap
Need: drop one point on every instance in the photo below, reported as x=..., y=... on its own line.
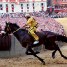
x=27, y=15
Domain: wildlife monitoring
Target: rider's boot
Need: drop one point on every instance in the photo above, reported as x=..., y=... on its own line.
x=36, y=42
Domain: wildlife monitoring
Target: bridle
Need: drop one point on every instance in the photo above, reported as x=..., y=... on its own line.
x=15, y=30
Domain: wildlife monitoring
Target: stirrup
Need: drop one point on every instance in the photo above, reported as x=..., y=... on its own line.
x=36, y=42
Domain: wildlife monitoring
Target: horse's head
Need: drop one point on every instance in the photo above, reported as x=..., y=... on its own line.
x=7, y=28
x=10, y=27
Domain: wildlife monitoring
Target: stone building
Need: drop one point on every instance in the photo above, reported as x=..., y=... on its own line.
x=12, y=6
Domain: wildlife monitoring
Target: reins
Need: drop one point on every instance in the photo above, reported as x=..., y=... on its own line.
x=16, y=30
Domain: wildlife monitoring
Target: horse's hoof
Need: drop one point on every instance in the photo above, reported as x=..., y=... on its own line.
x=43, y=63
x=64, y=57
x=53, y=57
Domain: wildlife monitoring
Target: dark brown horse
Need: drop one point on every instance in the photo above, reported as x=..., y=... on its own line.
x=46, y=38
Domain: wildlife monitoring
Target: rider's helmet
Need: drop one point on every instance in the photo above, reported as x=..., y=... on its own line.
x=27, y=15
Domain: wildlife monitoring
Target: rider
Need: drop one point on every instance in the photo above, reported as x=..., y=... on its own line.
x=31, y=22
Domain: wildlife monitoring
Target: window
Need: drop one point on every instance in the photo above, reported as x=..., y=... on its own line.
x=21, y=10
x=12, y=6
x=21, y=5
x=33, y=6
x=1, y=7
x=6, y=7
x=27, y=6
x=27, y=10
x=41, y=4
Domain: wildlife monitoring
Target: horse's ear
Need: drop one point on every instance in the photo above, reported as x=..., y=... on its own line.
x=9, y=22
x=6, y=22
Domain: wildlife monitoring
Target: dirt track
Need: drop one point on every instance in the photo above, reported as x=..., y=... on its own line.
x=63, y=21
x=30, y=61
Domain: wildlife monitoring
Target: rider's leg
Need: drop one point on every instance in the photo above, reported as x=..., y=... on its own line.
x=35, y=37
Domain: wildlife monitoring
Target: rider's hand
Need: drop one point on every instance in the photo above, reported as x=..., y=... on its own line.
x=37, y=25
x=25, y=26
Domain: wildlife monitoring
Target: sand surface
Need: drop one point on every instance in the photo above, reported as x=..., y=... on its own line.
x=63, y=21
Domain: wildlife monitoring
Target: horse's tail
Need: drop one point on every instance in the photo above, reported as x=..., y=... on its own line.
x=61, y=38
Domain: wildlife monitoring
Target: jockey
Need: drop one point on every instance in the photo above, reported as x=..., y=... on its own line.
x=31, y=22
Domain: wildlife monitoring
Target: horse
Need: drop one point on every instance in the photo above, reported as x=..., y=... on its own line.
x=46, y=38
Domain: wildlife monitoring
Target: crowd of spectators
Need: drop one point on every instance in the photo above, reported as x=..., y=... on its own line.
x=20, y=15
x=37, y=14
x=43, y=18
x=59, y=15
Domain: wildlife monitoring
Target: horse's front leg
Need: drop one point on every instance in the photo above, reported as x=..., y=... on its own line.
x=53, y=54
x=28, y=52
x=34, y=54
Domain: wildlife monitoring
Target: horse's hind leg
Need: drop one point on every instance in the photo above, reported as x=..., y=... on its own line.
x=61, y=52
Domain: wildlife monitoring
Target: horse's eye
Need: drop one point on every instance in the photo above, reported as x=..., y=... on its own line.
x=7, y=29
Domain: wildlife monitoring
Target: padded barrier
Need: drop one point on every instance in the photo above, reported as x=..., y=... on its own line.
x=5, y=43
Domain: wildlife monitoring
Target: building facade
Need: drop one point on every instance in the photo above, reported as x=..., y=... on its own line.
x=49, y=3
x=60, y=5
x=12, y=6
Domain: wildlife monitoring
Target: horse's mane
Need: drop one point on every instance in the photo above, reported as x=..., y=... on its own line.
x=14, y=24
